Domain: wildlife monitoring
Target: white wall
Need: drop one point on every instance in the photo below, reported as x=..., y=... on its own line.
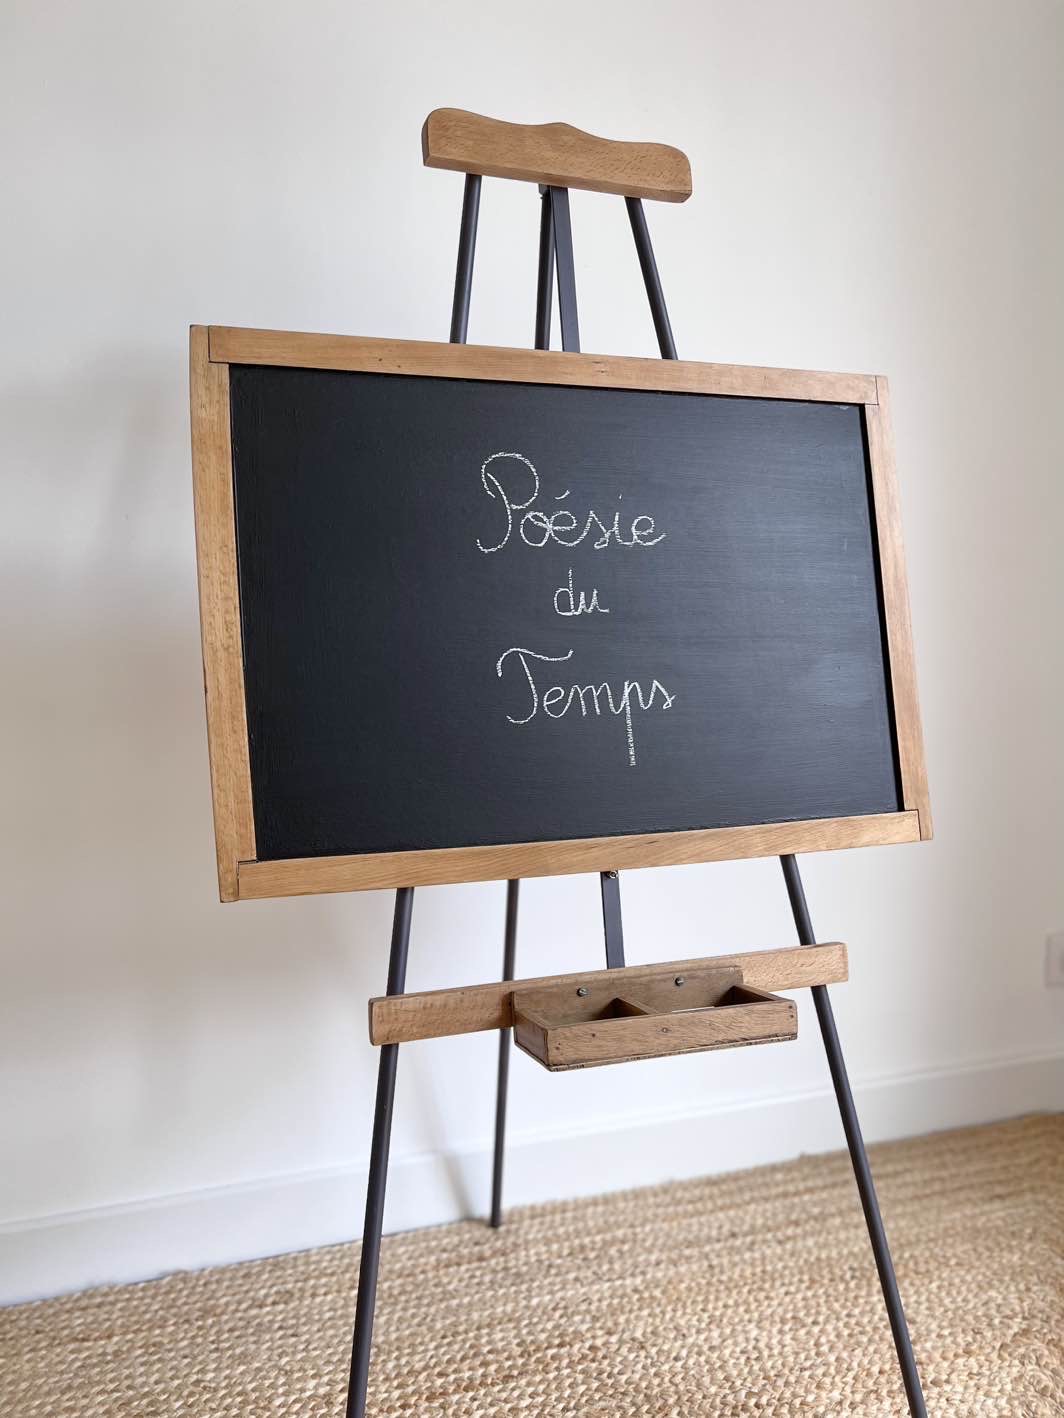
x=877, y=189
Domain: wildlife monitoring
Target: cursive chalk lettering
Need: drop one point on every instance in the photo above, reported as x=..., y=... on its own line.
x=593, y=699
x=581, y=607
x=536, y=528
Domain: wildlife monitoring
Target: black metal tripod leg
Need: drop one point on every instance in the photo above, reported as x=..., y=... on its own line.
x=463, y=276
x=858, y=1156
x=544, y=295
x=612, y=925
x=378, y=1170
x=508, y=955
x=651, y=279
x=563, y=250
x=545, y=270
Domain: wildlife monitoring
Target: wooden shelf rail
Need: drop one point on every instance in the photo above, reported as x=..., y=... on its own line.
x=471, y=1009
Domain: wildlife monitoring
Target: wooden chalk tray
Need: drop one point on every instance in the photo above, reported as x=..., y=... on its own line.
x=568, y=1026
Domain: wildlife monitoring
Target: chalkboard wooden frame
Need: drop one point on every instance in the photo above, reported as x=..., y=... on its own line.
x=241, y=876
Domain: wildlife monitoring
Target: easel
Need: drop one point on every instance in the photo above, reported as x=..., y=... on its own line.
x=558, y=157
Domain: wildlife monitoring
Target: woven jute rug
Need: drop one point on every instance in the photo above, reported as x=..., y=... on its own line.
x=748, y=1294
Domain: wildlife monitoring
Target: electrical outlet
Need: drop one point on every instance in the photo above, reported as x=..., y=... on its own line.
x=1055, y=958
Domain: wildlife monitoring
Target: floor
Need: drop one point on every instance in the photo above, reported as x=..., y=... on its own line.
x=747, y=1294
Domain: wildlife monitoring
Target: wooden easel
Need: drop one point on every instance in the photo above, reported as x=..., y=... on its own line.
x=622, y=1012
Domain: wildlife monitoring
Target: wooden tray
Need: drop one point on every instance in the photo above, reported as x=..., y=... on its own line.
x=565, y=1027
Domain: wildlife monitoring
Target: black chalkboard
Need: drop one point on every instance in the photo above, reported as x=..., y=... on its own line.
x=399, y=615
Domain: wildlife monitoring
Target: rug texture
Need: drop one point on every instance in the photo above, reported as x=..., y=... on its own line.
x=748, y=1294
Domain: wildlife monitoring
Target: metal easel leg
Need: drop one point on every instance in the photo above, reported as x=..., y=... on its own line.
x=545, y=273
x=463, y=287
x=651, y=279
x=563, y=249
x=612, y=925
x=858, y=1156
x=463, y=276
x=558, y=198
x=800, y=910
x=509, y=951
x=544, y=292
x=378, y=1169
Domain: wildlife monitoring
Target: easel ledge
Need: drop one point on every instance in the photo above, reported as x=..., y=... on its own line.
x=472, y=1009
x=443, y=866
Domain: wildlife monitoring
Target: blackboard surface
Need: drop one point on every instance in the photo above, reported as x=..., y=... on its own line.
x=413, y=679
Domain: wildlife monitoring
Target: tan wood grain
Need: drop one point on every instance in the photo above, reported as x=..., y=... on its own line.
x=554, y=154
x=647, y=993
x=223, y=677
x=301, y=876
x=910, y=737
x=230, y=345
x=531, y=1036
x=470, y=1009
x=755, y=1019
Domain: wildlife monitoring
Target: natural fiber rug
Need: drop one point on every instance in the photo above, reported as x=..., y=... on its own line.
x=753, y=1293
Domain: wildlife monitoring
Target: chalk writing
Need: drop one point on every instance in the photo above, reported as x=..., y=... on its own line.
x=584, y=606
x=511, y=481
x=536, y=528
x=590, y=697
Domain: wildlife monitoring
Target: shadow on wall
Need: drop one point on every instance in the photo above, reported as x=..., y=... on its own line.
x=116, y=955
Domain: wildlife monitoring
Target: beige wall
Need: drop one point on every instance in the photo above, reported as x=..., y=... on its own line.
x=877, y=189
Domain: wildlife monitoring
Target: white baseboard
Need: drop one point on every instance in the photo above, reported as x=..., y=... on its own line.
x=220, y=1225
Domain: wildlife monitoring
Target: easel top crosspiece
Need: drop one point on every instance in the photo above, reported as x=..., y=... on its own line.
x=556, y=157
